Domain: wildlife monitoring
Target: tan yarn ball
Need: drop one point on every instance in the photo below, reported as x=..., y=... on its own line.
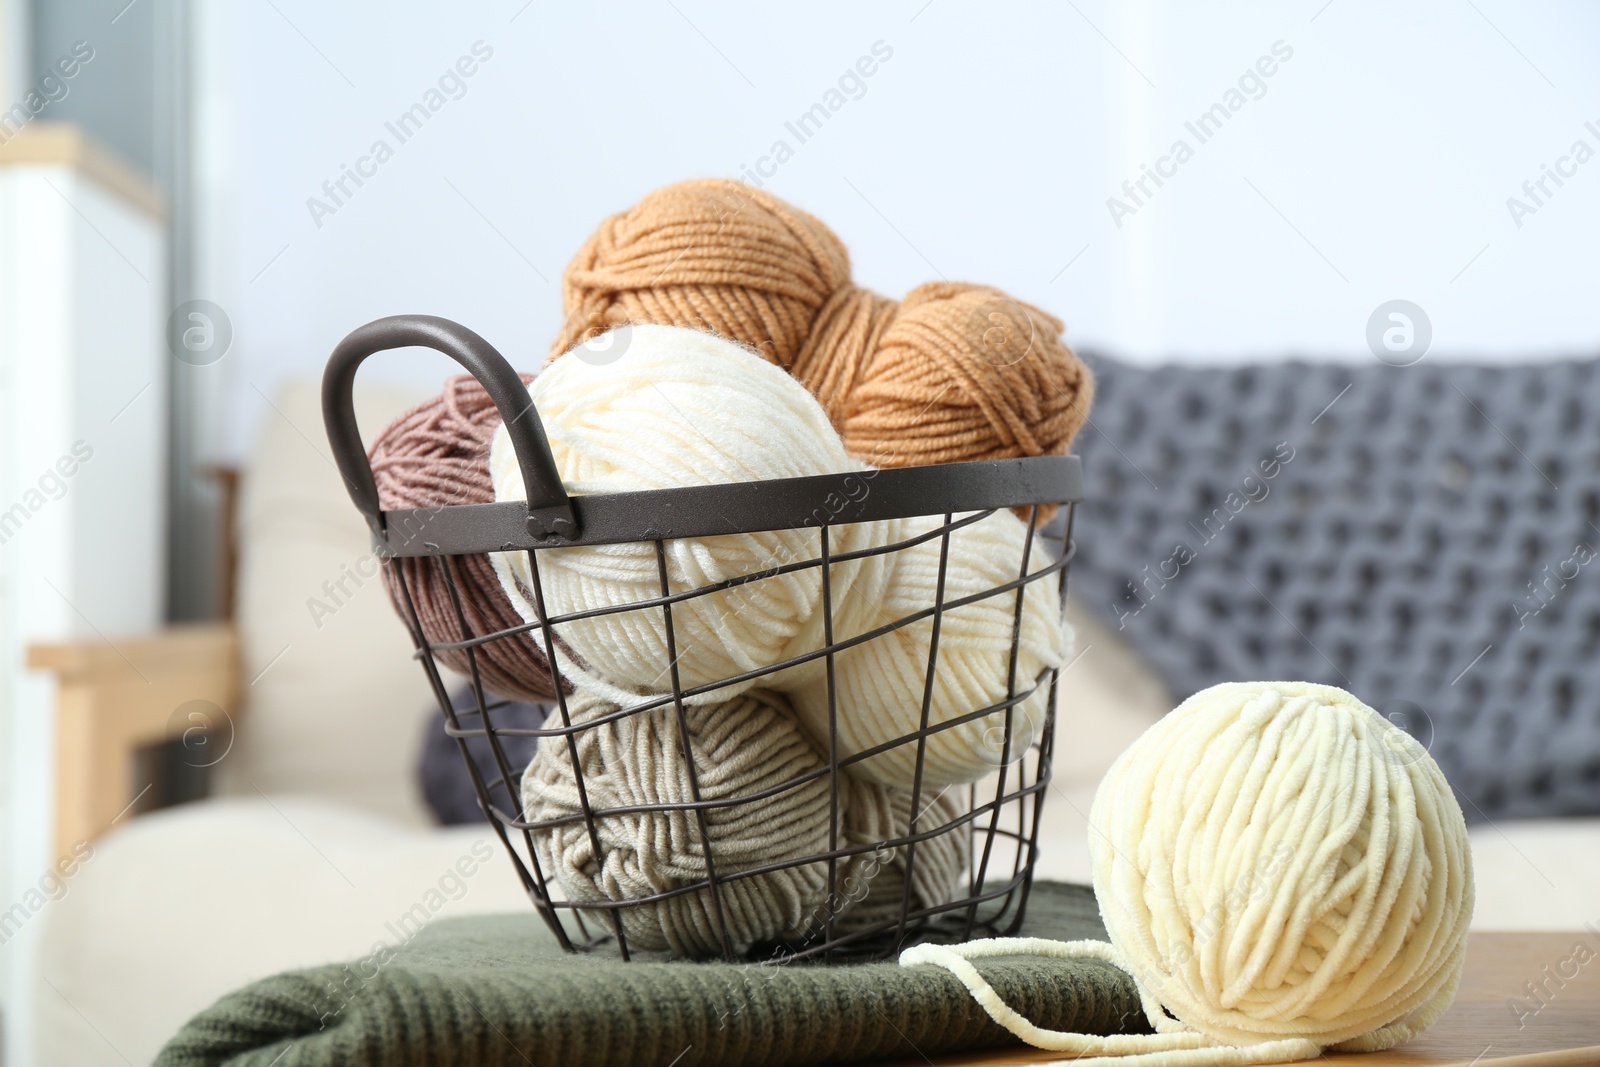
x=711, y=255
x=954, y=372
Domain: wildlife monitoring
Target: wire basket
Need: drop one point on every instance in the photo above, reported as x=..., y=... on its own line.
x=999, y=815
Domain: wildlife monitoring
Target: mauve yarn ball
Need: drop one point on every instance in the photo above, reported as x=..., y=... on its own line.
x=437, y=455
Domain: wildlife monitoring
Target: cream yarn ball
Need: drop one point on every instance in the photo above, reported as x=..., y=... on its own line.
x=741, y=747
x=1277, y=860
x=652, y=407
x=1281, y=870
x=879, y=683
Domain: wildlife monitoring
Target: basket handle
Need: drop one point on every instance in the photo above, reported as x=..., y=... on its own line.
x=549, y=509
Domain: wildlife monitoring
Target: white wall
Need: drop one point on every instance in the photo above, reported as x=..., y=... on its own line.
x=1377, y=164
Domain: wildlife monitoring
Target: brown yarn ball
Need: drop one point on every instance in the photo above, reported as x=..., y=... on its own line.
x=955, y=372
x=437, y=455
x=713, y=255
x=961, y=372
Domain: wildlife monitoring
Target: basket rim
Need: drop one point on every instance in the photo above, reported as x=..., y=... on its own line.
x=698, y=511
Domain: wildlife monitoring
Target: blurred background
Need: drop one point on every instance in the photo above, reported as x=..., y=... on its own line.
x=195, y=207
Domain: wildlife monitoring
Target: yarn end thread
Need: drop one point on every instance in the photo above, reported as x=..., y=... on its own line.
x=1173, y=1048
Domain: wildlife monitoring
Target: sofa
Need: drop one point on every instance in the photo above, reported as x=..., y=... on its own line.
x=315, y=842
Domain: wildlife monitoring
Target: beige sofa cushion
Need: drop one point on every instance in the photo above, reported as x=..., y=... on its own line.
x=334, y=704
x=180, y=907
x=1106, y=698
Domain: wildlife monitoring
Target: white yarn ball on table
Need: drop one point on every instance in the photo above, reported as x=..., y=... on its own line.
x=678, y=408
x=1339, y=832
x=1280, y=869
x=879, y=683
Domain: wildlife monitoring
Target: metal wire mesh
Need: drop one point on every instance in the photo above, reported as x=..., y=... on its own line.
x=1000, y=814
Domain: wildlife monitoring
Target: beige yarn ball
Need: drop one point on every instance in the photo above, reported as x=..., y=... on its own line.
x=652, y=407
x=741, y=747
x=938, y=875
x=879, y=684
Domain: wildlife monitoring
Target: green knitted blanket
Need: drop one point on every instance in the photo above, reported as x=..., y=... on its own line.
x=496, y=990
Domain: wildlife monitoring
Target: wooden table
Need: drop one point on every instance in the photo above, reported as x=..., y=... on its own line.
x=1481, y=1029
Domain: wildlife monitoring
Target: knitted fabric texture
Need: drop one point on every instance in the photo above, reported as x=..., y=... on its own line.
x=1428, y=545
x=495, y=991
x=1281, y=870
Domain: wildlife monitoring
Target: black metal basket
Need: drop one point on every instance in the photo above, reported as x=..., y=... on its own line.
x=1000, y=814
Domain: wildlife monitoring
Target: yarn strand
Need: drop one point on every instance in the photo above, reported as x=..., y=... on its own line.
x=1171, y=1048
